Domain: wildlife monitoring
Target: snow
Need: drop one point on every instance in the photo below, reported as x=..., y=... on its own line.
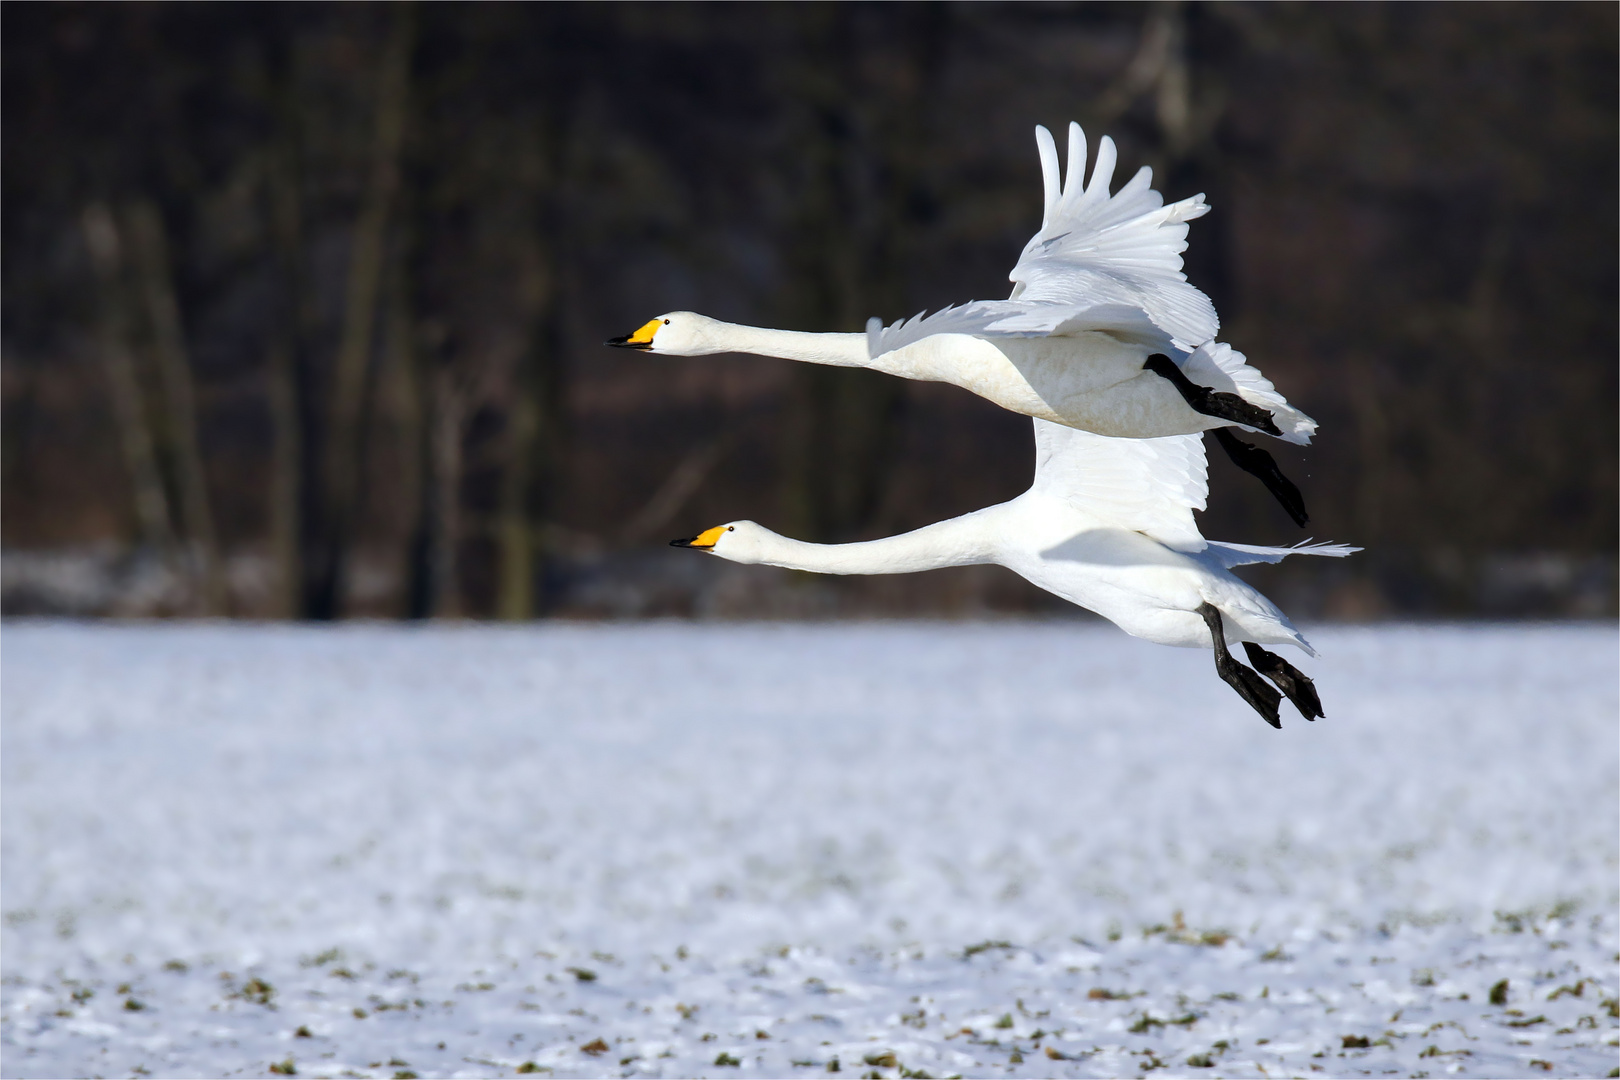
x=676, y=849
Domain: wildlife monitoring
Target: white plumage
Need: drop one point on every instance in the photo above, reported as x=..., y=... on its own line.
x=1111, y=350
x=1094, y=250
x=1097, y=290
x=1106, y=524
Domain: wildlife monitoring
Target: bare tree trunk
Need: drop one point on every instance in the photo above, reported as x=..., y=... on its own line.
x=514, y=599
x=353, y=361
x=1160, y=34
x=400, y=387
x=1172, y=105
x=681, y=484
x=151, y=503
x=297, y=501
x=444, y=524
x=853, y=239
x=416, y=435
x=285, y=466
x=1367, y=405
x=1161, y=66
x=287, y=495
x=553, y=301
x=169, y=347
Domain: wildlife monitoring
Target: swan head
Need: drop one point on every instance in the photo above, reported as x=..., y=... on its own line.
x=677, y=333
x=738, y=541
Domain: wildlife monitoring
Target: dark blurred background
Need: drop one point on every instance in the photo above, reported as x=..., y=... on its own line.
x=303, y=304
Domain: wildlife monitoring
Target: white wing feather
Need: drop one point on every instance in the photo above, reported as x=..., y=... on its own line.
x=1097, y=247
x=1094, y=249
x=1150, y=486
x=1016, y=318
x=1227, y=555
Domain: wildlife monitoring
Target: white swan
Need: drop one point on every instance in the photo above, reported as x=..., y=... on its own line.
x=1102, y=331
x=1108, y=525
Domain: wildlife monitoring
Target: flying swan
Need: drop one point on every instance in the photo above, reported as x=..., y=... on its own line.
x=1108, y=525
x=1102, y=332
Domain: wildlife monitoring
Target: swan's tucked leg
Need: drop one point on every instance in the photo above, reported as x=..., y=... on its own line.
x=1216, y=403
x=1289, y=679
x=1251, y=687
x=1257, y=462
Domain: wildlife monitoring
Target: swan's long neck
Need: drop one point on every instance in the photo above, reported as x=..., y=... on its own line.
x=960, y=541
x=839, y=350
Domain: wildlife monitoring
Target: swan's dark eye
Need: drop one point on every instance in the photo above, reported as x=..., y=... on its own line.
x=666, y=322
x=731, y=528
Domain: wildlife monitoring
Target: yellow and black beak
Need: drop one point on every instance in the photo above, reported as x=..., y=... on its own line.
x=703, y=541
x=641, y=339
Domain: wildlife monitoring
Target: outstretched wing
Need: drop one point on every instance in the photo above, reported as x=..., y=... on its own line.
x=1150, y=486
x=1018, y=318
x=1094, y=250
x=1096, y=247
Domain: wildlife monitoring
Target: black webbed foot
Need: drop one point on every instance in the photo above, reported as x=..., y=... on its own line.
x=1216, y=403
x=1289, y=679
x=1250, y=687
x=1257, y=462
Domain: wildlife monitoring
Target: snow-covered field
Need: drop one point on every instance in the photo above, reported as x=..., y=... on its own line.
x=1028, y=849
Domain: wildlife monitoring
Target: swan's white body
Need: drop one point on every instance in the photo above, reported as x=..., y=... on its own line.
x=1097, y=291
x=1107, y=525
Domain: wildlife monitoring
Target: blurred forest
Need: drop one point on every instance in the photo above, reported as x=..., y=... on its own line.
x=303, y=305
